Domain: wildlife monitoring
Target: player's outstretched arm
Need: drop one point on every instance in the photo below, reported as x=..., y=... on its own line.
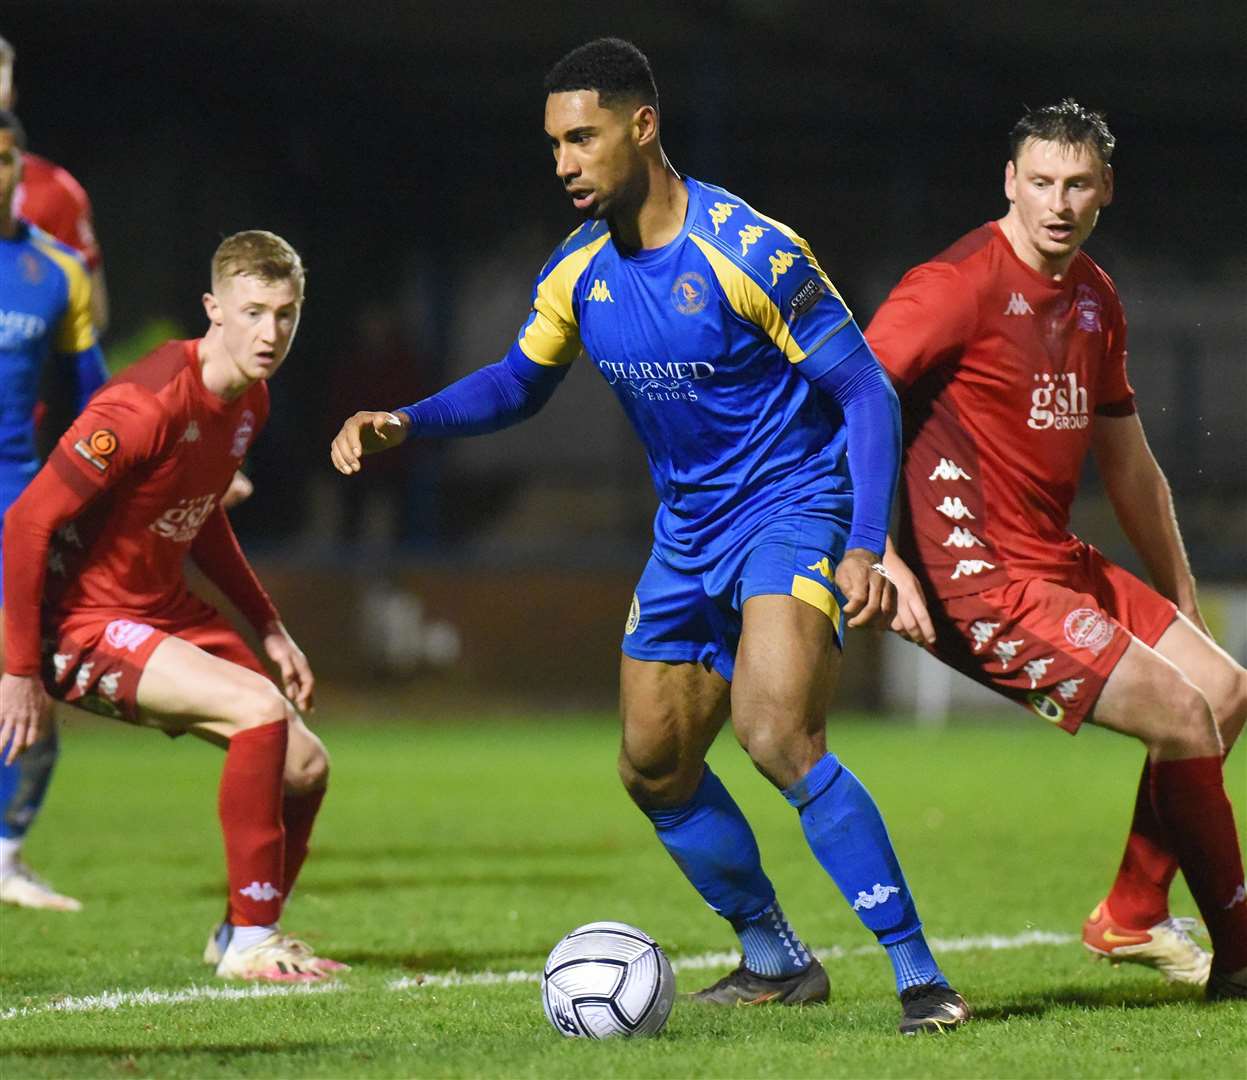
x=489, y=399
x=1143, y=503
x=25, y=714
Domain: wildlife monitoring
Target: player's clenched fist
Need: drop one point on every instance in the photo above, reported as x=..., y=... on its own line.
x=870, y=598
x=366, y=433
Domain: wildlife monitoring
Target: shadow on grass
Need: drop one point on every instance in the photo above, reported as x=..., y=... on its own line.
x=391, y=882
x=1081, y=997
x=439, y=961
x=499, y=849
x=135, y=1054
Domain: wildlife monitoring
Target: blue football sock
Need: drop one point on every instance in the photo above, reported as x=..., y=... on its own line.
x=712, y=843
x=24, y=784
x=848, y=837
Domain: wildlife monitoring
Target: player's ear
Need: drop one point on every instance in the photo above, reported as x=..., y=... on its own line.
x=212, y=308
x=645, y=125
x=1108, y=185
x=1011, y=180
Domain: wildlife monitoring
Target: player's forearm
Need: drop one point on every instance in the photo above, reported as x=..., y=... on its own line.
x=872, y=421
x=1144, y=507
x=217, y=553
x=43, y=507
x=487, y=400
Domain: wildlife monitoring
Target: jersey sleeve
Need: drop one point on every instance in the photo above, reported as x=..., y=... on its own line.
x=1115, y=395
x=926, y=320
x=551, y=334
x=122, y=427
x=217, y=553
x=771, y=278
x=75, y=331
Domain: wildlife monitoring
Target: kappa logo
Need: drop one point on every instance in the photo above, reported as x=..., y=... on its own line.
x=1006, y=652
x=242, y=437
x=634, y=616
x=83, y=679
x=982, y=632
x=781, y=262
x=690, y=293
x=1087, y=304
x=1037, y=669
x=109, y=684
x=948, y=469
x=962, y=538
x=600, y=292
x=1068, y=689
x=1239, y=897
x=1087, y=628
x=126, y=634
x=1017, y=305
x=260, y=892
x=60, y=664
x=720, y=212
x=878, y=895
x=824, y=567
x=191, y=434
x=970, y=567
x=750, y=235
x=955, y=509
x=68, y=533
x=56, y=563
x=1045, y=707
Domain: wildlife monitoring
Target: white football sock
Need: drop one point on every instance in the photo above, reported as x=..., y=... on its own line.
x=246, y=936
x=10, y=849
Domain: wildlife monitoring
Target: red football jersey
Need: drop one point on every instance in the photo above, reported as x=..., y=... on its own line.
x=130, y=489
x=52, y=199
x=1000, y=371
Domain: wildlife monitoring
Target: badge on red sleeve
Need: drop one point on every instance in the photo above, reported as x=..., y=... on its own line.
x=97, y=448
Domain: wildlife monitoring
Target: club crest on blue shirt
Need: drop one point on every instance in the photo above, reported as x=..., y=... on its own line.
x=32, y=271
x=690, y=294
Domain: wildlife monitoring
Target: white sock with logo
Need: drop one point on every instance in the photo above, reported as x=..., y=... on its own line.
x=246, y=936
x=10, y=849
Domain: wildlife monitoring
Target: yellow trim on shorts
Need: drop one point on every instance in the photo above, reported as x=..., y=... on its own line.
x=817, y=596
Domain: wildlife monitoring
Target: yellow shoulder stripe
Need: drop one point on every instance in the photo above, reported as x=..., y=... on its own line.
x=749, y=299
x=805, y=250
x=552, y=336
x=75, y=331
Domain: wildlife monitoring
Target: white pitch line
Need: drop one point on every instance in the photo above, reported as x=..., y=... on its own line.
x=111, y=1000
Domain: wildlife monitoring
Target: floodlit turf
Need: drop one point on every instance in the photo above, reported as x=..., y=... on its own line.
x=472, y=848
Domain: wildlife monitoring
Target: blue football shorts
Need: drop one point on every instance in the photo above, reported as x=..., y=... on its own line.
x=680, y=617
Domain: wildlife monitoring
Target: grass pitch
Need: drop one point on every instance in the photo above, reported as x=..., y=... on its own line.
x=448, y=857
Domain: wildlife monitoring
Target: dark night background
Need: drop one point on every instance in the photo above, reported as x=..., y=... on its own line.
x=399, y=146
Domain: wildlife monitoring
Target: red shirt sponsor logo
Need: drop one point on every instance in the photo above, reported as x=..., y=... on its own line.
x=1088, y=629
x=182, y=523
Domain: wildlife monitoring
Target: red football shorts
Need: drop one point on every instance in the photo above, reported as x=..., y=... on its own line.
x=1048, y=645
x=96, y=663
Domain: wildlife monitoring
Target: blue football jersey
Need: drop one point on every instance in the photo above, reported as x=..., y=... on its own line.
x=45, y=309
x=700, y=341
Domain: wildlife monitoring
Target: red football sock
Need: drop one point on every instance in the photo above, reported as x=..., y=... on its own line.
x=250, y=808
x=1190, y=800
x=298, y=812
x=1139, y=898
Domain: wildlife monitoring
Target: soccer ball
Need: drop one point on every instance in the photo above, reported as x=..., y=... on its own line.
x=607, y=979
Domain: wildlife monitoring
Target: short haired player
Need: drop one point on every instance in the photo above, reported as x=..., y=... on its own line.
x=45, y=335
x=98, y=612
x=772, y=437
x=1009, y=353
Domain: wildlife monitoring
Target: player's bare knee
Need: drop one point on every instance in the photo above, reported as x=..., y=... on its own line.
x=258, y=704
x=658, y=781
x=1190, y=730
x=781, y=755
x=307, y=764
